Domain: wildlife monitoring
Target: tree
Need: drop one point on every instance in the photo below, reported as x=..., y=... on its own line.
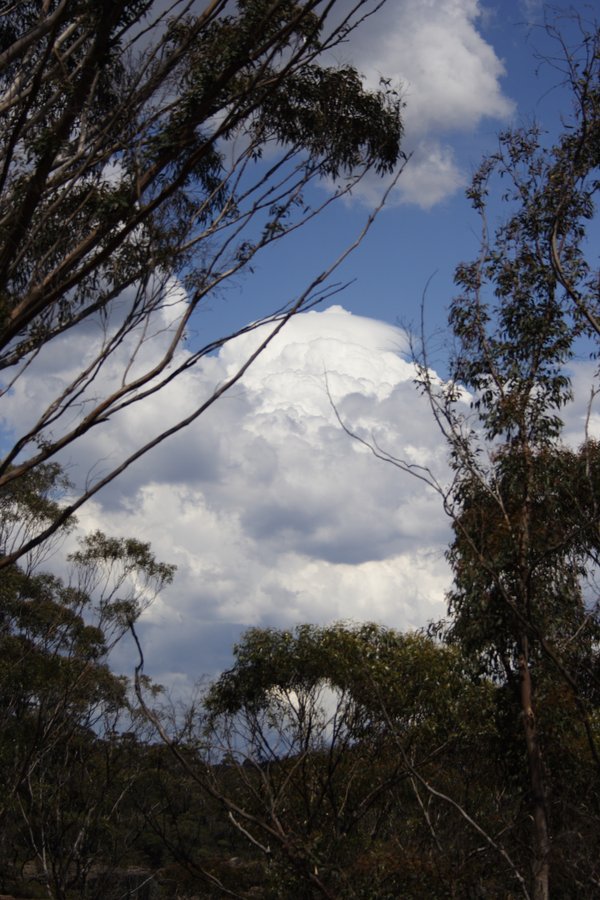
x=64, y=770
x=523, y=505
x=520, y=608
x=146, y=149
x=524, y=605
x=320, y=744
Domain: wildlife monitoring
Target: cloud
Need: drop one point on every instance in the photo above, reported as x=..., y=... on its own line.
x=448, y=73
x=582, y=416
x=449, y=76
x=532, y=9
x=431, y=176
x=272, y=514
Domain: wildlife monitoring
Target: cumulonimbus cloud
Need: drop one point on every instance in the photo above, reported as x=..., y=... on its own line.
x=271, y=512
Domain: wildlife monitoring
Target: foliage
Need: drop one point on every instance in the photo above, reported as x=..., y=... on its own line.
x=381, y=672
x=131, y=167
x=524, y=506
x=560, y=487
x=328, y=733
x=64, y=770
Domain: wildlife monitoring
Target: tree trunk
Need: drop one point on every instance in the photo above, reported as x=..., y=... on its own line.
x=541, y=839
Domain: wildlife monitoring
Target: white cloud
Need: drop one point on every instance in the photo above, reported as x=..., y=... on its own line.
x=583, y=415
x=271, y=512
x=431, y=176
x=449, y=76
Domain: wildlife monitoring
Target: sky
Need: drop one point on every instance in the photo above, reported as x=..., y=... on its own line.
x=272, y=514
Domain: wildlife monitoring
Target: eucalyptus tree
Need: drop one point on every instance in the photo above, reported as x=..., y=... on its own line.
x=64, y=770
x=319, y=744
x=524, y=607
x=524, y=506
x=148, y=153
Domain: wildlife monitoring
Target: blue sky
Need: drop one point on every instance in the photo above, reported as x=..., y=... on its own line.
x=272, y=515
x=414, y=246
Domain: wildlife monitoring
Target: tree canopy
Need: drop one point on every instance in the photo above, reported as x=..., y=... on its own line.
x=64, y=769
x=147, y=149
x=523, y=504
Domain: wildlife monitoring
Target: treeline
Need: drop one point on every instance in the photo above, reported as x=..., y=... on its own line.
x=338, y=761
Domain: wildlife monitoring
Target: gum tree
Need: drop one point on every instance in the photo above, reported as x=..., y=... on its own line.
x=524, y=605
x=320, y=744
x=148, y=153
x=524, y=505
x=64, y=769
